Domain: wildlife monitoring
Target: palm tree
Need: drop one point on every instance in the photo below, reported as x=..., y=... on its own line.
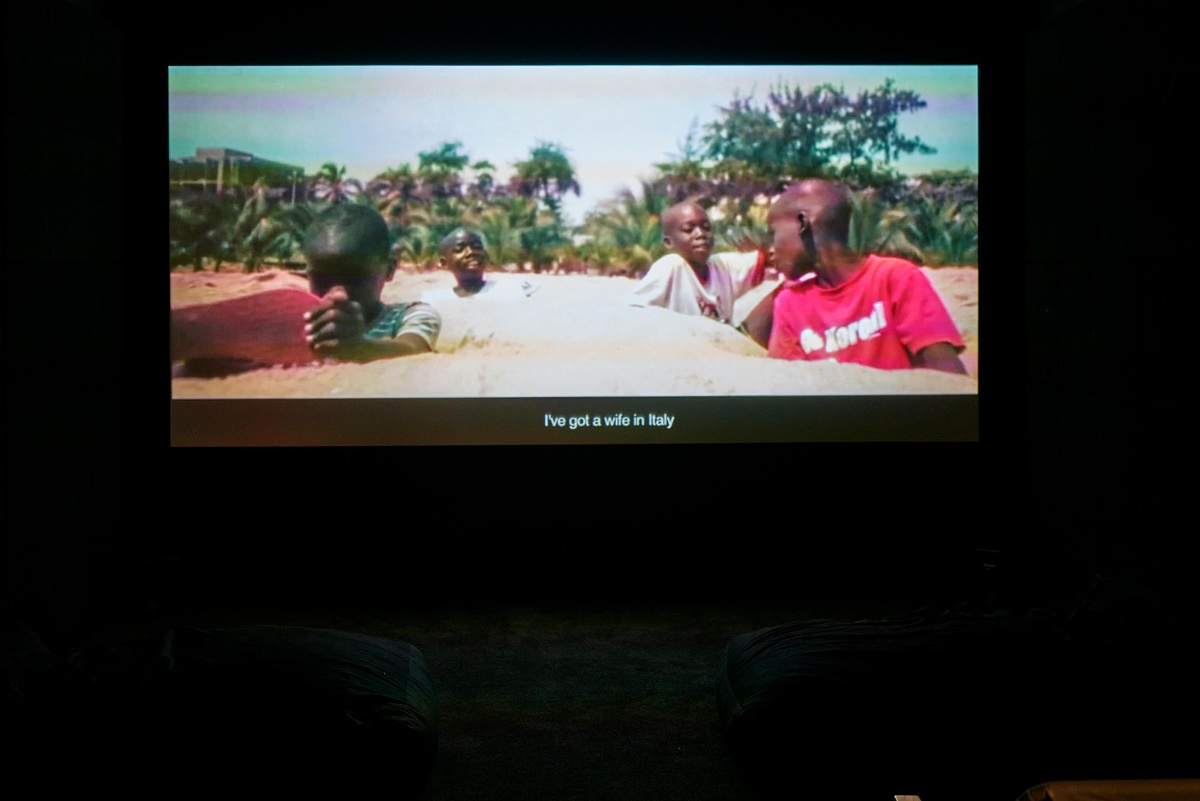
x=251, y=231
x=201, y=227
x=947, y=231
x=393, y=190
x=545, y=240
x=547, y=174
x=736, y=229
x=631, y=226
x=878, y=228
x=331, y=184
x=440, y=170
x=517, y=230
x=485, y=179
x=598, y=254
x=288, y=226
x=414, y=238
x=279, y=234
x=924, y=229
x=254, y=245
x=503, y=238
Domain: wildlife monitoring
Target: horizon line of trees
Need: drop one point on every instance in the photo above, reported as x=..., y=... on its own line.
x=733, y=167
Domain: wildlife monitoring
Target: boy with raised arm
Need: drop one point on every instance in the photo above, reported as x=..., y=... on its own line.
x=692, y=279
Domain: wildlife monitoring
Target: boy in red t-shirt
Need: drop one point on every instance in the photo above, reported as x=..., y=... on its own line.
x=835, y=304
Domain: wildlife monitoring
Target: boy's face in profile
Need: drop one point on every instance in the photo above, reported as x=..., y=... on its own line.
x=792, y=254
x=688, y=232
x=466, y=256
x=362, y=278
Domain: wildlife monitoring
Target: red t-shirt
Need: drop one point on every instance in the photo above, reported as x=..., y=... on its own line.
x=886, y=311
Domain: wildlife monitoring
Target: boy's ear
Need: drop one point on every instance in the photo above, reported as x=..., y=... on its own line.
x=391, y=271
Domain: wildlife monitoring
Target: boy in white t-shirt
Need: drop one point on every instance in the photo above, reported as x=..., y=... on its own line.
x=464, y=254
x=692, y=279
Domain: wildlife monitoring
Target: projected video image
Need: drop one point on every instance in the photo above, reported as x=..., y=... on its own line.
x=573, y=232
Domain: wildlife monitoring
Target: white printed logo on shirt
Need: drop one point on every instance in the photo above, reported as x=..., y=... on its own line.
x=843, y=336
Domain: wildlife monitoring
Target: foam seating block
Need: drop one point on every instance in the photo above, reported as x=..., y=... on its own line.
x=284, y=708
x=944, y=704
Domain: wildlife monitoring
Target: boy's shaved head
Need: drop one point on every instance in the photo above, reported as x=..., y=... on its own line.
x=688, y=231
x=458, y=235
x=348, y=232
x=348, y=246
x=465, y=254
x=670, y=217
x=826, y=206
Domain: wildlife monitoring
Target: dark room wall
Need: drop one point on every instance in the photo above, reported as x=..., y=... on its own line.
x=1081, y=478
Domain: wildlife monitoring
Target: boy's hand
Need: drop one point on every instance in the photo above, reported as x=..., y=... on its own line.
x=335, y=322
x=747, y=243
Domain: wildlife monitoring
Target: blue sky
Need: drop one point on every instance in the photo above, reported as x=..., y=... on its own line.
x=613, y=123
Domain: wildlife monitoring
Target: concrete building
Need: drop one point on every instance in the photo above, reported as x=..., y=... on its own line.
x=218, y=169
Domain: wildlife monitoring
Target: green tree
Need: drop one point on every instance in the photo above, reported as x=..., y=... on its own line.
x=289, y=223
x=853, y=133
x=924, y=229
x=753, y=150
x=485, y=179
x=202, y=227
x=685, y=176
x=786, y=138
x=886, y=104
x=414, y=240
x=960, y=185
x=946, y=232
x=738, y=225
x=940, y=213
x=822, y=132
x=868, y=127
x=251, y=231
x=440, y=170
x=877, y=228
x=394, y=191
x=545, y=241
x=628, y=228
x=502, y=225
x=547, y=175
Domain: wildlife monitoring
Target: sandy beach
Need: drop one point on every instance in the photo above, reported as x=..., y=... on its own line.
x=572, y=337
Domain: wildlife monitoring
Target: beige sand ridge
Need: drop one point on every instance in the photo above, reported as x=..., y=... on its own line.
x=572, y=337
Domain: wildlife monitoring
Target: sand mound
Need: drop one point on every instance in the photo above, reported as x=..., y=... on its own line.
x=571, y=338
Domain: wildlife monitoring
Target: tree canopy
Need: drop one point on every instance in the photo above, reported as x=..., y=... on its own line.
x=798, y=134
x=732, y=166
x=547, y=173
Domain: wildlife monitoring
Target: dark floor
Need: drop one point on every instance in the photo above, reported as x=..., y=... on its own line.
x=548, y=698
x=570, y=701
